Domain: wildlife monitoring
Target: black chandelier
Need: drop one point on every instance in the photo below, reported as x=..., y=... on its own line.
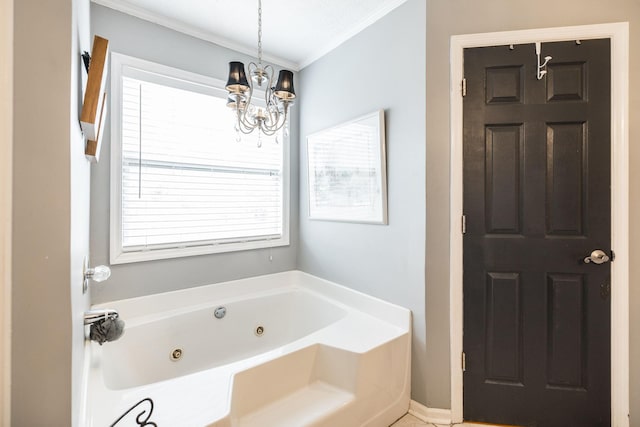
x=278, y=97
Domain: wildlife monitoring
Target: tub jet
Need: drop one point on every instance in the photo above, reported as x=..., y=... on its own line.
x=176, y=354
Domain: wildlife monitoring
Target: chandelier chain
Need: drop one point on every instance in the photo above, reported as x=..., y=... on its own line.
x=260, y=32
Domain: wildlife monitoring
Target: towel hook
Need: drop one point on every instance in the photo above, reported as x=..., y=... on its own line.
x=542, y=68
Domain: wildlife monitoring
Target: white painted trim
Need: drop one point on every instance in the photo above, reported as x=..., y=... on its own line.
x=619, y=35
x=84, y=415
x=6, y=168
x=429, y=415
x=162, y=74
x=352, y=31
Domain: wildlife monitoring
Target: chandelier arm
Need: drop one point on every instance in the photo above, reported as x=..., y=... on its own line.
x=267, y=132
x=245, y=129
x=243, y=125
x=276, y=126
x=273, y=110
x=246, y=123
x=273, y=118
x=268, y=93
x=281, y=119
x=267, y=68
x=272, y=114
x=255, y=67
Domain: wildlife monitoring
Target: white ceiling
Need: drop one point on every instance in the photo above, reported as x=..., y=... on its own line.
x=294, y=32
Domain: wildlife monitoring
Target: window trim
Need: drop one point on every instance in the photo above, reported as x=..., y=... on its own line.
x=210, y=85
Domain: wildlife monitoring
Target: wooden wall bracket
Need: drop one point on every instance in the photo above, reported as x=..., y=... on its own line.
x=94, y=109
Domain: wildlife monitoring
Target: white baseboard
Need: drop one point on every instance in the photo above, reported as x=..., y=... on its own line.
x=430, y=415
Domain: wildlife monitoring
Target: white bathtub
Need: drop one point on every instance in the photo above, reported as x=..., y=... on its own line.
x=292, y=351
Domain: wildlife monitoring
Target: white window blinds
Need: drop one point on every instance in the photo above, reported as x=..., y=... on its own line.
x=186, y=180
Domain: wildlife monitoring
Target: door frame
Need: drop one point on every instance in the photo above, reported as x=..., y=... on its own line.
x=6, y=144
x=618, y=33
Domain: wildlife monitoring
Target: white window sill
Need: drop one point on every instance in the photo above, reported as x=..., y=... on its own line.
x=120, y=257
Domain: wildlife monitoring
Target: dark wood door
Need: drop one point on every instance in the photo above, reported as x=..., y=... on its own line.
x=537, y=202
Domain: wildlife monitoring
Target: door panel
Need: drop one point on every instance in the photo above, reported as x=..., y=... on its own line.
x=566, y=177
x=503, y=165
x=566, y=334
x=537, y=202
x=504, y=329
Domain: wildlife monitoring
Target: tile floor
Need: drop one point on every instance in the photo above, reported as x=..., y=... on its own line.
x=411, y=421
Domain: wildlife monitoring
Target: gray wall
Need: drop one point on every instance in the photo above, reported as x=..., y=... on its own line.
x=50, y=212
x=381, y=67
x=449, y=17
x=142, y=39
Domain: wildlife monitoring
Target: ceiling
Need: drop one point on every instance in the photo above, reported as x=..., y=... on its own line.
x=294, y=34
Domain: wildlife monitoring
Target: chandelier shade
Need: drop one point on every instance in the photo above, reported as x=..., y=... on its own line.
x=284, y=86
x=237, y=81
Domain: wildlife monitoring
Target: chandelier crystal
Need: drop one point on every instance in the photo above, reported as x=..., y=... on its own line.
x=278, y=97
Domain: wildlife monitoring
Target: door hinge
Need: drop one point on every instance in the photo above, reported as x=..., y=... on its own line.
x=464, y=224
x=464, y=362
x=464, y=87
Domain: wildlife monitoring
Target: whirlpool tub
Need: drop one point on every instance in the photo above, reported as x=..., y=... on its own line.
x=282, y=350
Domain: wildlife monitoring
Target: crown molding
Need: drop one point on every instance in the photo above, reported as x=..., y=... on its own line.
x=193, y=31
x=343, y=37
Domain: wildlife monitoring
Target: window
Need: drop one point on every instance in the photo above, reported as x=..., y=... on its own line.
x=182, y=183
